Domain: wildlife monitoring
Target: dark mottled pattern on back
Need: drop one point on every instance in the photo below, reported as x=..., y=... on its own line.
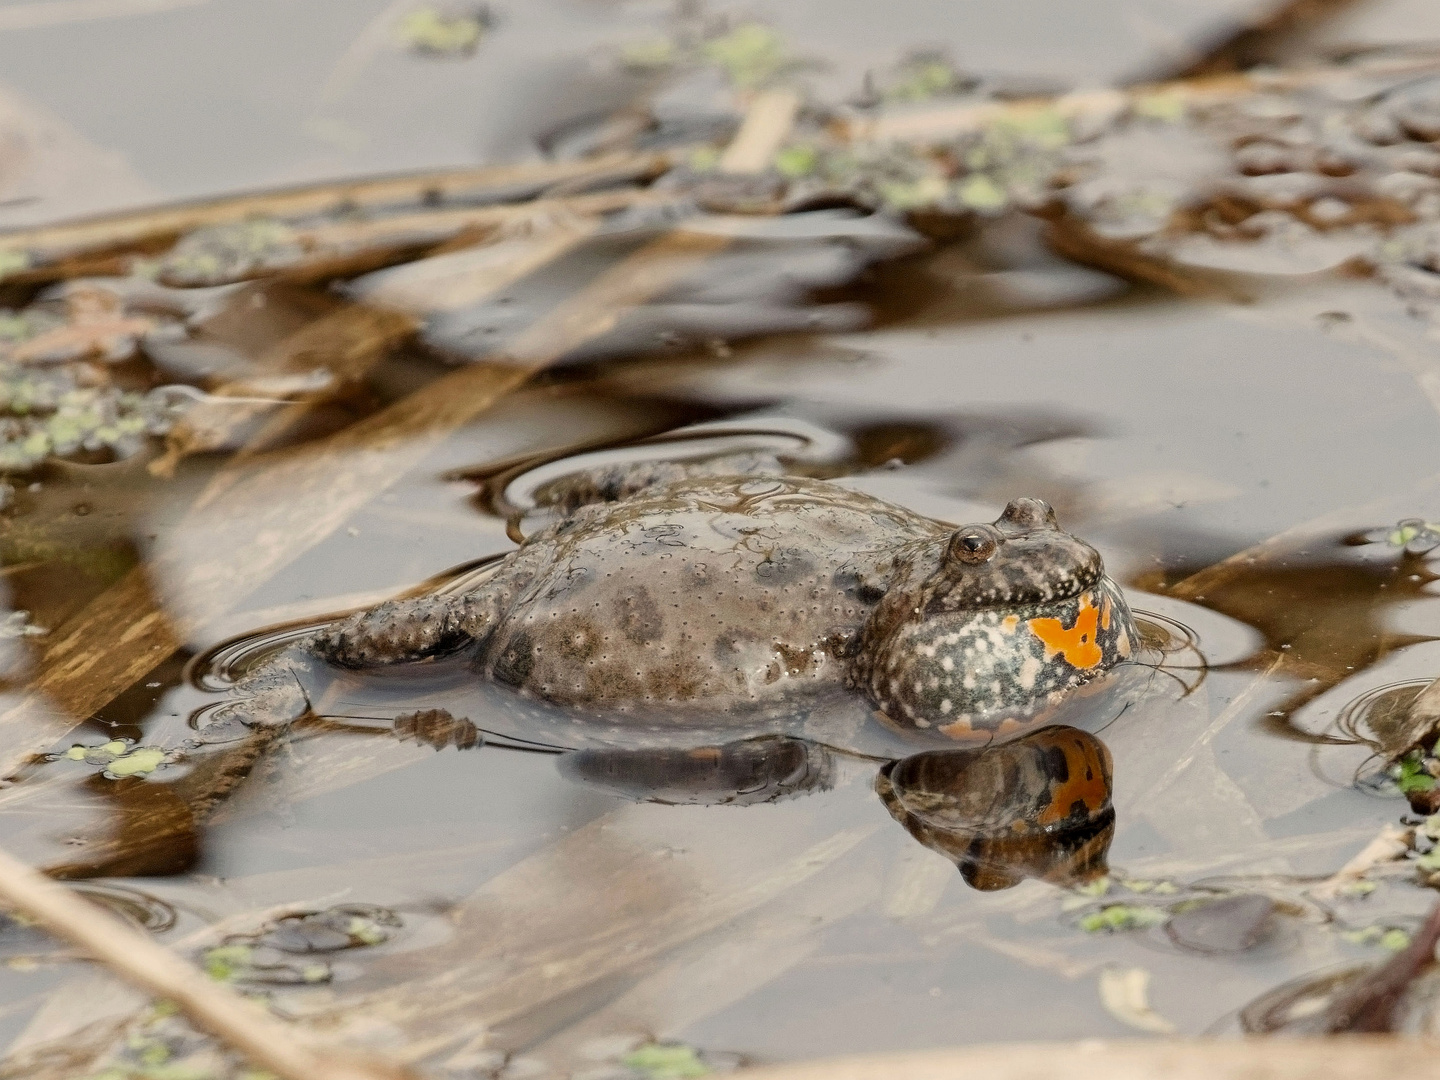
x=612, y=483
x=735, y=596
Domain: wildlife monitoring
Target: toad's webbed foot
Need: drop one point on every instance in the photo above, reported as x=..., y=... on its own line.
x=402, y=631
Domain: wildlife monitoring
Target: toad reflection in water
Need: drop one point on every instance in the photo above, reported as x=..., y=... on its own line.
x=1037, y=806
x=717, y=639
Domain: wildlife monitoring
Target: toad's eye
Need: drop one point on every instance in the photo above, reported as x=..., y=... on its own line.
x=974, y=544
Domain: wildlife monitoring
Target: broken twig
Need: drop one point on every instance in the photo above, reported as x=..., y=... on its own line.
x=1389, y=845
x=489, y=184
x=767, y=125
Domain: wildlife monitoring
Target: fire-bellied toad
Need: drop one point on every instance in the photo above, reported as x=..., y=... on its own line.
x=737, y=598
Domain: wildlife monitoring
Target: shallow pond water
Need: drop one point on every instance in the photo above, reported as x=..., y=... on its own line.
x=459, y=886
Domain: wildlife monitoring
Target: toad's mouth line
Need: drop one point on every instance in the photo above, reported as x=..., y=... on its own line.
x=1030, y=597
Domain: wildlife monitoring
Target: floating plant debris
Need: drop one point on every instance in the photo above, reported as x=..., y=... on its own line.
x=750, y=54
x=1415, y=536
x=120, y=758
x=923, y=76
x=226, y=253
x=436, y=31
x=666, y=1061
x=272, y=954
x=1125, y=995
x=1232, y=924
x=1117, y=917
x=51, y=413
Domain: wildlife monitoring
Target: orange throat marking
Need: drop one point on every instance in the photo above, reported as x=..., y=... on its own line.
x=1077, y=643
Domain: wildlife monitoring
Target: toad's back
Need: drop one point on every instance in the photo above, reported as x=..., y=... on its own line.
x=734, y=597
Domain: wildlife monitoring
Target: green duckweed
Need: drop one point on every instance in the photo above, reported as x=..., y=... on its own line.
x=45, y=413
x=921, y=78
x=224, y=963
x=119, y=757
x=1410, y=774
x=1117, y=917
x=1166, y=107
x=1387, y=937
x=794, y=162
x=441, y=33
x=655, y=54
x=982, y=193
x=218, y=254
x=13, y=261
x=141, y=761
x=750, y=55
x=1414, y=534
x=666, y=1061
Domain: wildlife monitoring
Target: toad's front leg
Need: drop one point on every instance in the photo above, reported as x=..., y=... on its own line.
x=403, y=631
